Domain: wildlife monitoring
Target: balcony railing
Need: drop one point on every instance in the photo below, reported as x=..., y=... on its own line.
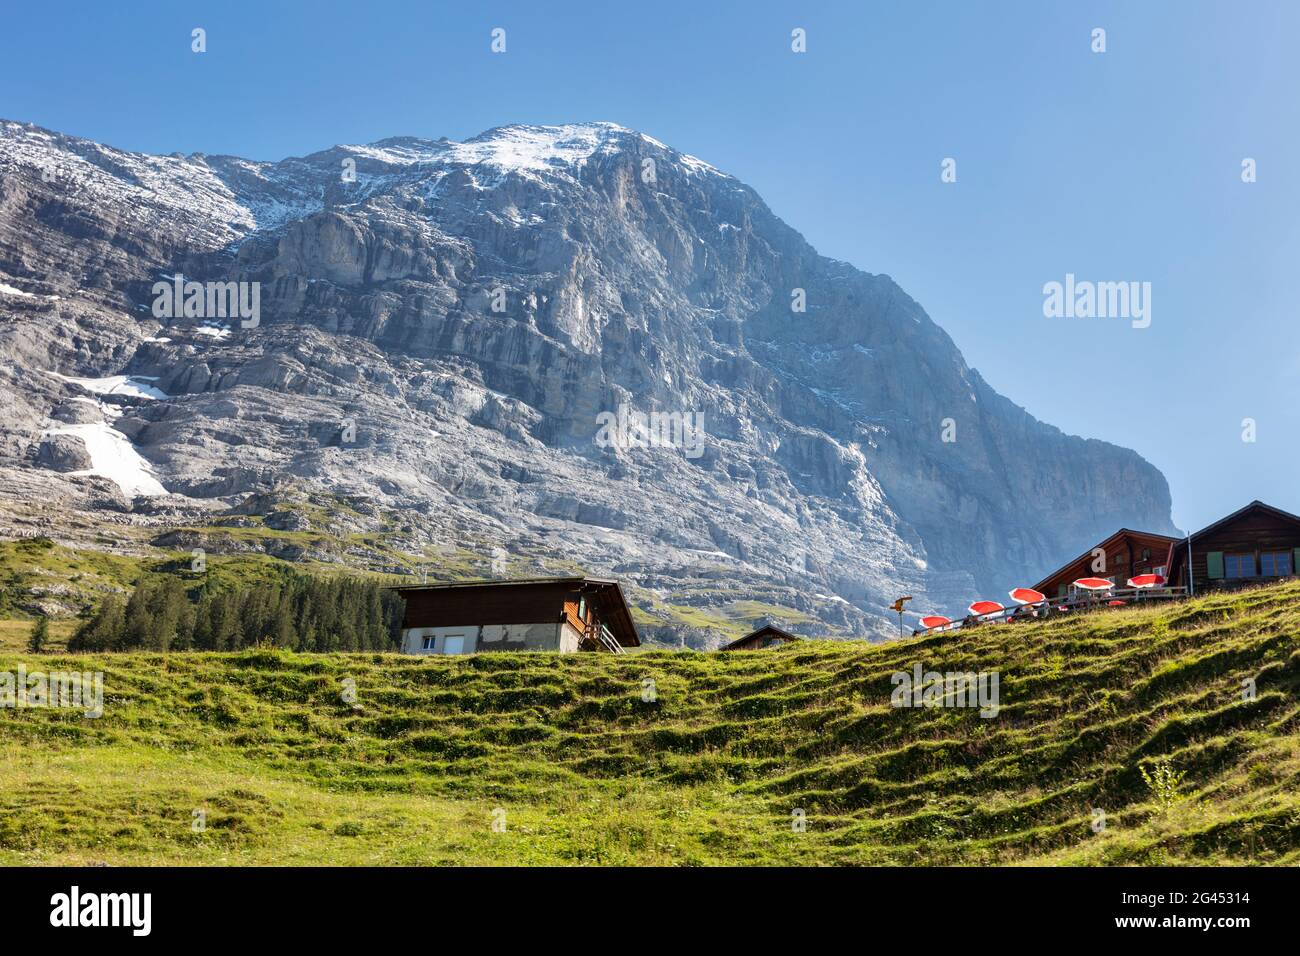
x=1079, y=601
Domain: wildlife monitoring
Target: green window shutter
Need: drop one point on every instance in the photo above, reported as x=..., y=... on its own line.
x=1214, y=564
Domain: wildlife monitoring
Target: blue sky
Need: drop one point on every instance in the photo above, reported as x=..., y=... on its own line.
x=1120, y=166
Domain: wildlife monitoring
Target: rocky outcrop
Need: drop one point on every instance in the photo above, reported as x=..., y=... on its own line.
x=456, y=333
x=63, y=453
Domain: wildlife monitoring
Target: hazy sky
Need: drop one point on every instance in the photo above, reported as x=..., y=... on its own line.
x=1116, y=167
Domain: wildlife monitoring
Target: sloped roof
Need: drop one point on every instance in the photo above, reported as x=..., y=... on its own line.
x=766, y=629
x=1253, y=506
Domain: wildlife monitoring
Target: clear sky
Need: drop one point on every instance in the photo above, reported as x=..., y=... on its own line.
x=1115, y=166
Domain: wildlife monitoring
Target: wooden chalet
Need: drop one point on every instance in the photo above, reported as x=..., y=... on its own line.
x=542, y=614
x=769, y=635
x=1255, y=545
x=1125, y=554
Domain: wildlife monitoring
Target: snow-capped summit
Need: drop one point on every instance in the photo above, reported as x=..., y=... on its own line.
x=519, y=148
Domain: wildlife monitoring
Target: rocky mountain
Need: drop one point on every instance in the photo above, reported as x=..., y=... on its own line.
x=449, y=341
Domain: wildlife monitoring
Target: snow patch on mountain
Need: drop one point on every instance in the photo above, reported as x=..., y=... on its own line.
x=113, y=457
x=212, y=330
x=10, y=290
x=136, y=386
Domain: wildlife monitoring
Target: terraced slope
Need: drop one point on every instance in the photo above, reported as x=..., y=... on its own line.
x=568, y=754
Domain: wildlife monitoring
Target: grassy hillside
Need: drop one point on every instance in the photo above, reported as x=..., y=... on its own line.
x=586, y=771
x=36, y=569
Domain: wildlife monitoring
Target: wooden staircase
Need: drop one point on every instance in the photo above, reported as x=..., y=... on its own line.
x=598, y=637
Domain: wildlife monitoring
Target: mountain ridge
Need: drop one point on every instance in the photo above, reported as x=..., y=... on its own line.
x=632, y=276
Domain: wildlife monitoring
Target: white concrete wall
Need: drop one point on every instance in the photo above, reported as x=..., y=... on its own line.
x=551, y=636
x=569, y=638
x=413, y=639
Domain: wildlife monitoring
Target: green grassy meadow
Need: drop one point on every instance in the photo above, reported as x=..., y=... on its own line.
x=1136, y=713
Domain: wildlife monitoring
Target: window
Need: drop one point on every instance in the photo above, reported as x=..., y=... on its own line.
x=1239, y=565
x=428, y=642
x=582, y=608
x=1275, y=564
x=453, y=645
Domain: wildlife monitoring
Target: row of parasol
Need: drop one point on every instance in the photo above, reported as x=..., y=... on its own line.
x=1028, y=598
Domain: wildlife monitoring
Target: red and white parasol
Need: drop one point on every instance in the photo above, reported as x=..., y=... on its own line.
x=935, y=620
x=980, y=608
x=1147, y=581
x=1094, y=584
x=1028, y=596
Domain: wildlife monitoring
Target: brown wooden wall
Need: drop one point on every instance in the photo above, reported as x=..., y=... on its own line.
x=510, y=604
x=507, y=604
x=1250, y=534
x=571, y=613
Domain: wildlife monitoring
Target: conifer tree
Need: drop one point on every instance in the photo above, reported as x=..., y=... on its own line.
x=40, y=636
x=102, y=629
x=301, y=612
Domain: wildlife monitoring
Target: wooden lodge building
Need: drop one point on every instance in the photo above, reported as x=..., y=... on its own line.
x=769, y=635
x=535, y=614
x=1257, y=544
x=1125, y=554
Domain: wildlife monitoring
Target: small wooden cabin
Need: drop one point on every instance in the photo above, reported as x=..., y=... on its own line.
x=1125, y=554
x=533, y=614
x=1257, y=544
x=769, y=635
